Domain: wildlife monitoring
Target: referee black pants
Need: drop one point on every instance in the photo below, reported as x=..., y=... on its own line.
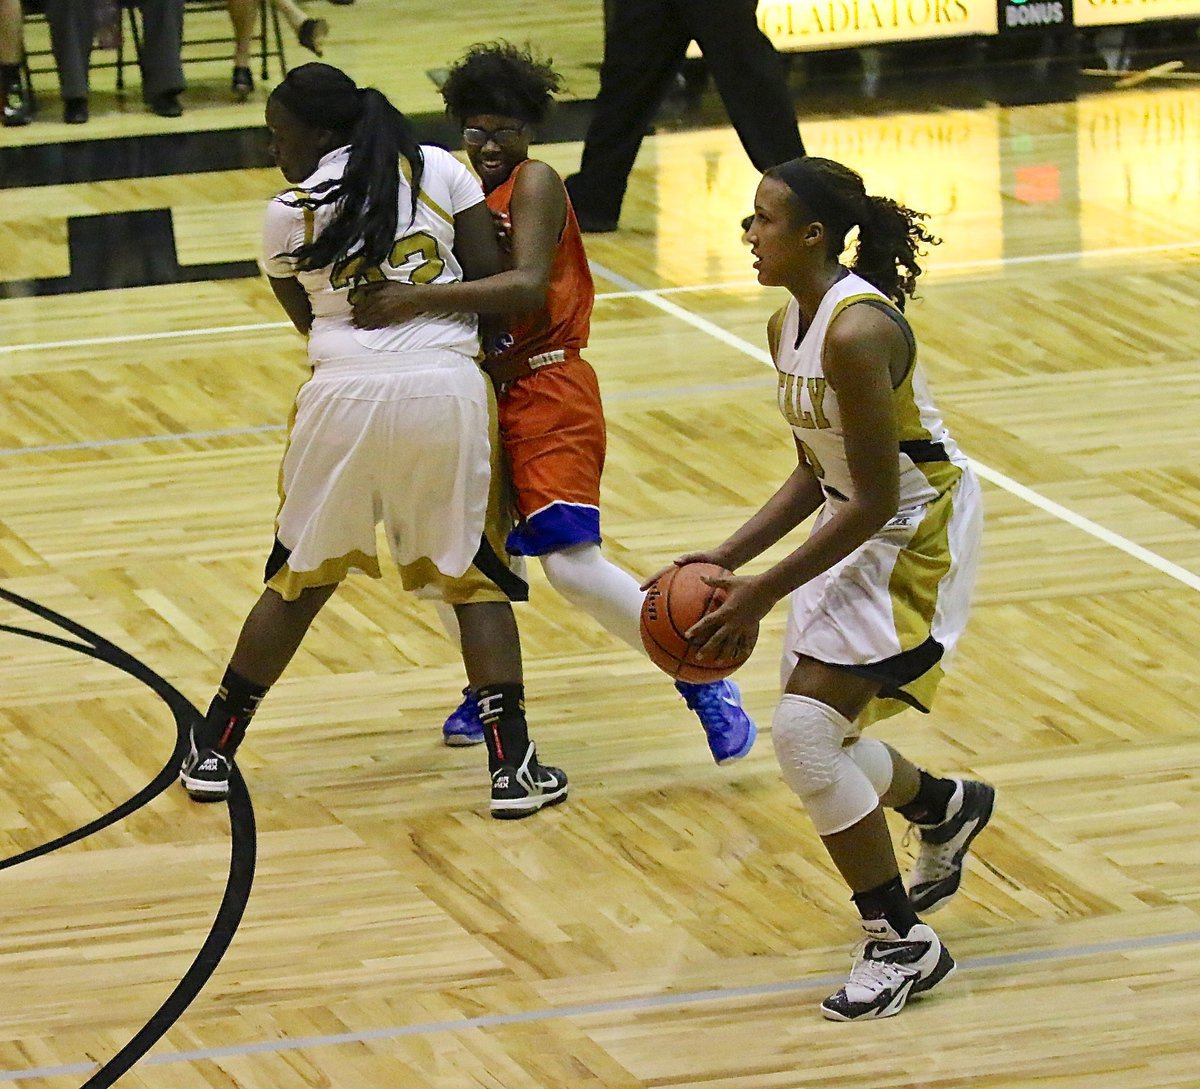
x=645, y=45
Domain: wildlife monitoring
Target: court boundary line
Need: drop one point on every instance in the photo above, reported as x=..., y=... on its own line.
x=603, y=1009
x=993, y=476
x=631, y=292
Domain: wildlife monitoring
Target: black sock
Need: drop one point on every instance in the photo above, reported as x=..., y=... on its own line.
x=502, y=709
x=932, y=798
x=887, y=901
x=10, y=75
x=230, y=713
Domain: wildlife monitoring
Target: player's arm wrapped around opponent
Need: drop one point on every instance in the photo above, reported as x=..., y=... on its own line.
x=537, y=213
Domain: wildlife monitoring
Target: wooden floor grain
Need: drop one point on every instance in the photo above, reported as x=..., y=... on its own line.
x=674, y=924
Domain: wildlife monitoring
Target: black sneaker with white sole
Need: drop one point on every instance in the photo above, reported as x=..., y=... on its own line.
x=888, y=971
x=521, y=791
x=205, y=774
x=937, y=872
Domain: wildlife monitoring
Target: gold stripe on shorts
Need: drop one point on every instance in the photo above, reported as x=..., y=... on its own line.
x=289, y=584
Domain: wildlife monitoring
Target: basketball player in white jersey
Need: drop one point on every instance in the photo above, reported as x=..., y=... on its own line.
x=880, y=589
x=395, y=425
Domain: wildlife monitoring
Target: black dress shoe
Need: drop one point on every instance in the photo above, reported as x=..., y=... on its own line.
x=591, y=224
x=75, y=110
x=243, y=83
x=18, y=106
x=166, y=104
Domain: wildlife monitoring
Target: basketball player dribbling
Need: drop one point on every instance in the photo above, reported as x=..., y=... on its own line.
x=880, y=589
x=551, y=418
x=368, y=204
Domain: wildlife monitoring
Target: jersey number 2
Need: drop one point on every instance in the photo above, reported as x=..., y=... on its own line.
x=419, y=244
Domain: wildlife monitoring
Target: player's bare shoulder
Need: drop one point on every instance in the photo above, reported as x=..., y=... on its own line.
x=538, y=179
x=538, y=187
x=862, y=336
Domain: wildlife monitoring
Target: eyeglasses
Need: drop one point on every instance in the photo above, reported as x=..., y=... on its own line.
x=500, y=137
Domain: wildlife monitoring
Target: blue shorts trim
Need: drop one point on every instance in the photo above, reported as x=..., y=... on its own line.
x=557, y=526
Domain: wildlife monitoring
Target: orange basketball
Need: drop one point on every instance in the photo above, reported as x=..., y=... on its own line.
x=675, y=601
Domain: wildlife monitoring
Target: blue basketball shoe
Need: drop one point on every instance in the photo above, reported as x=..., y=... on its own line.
x=718, y=706
x=464, y=726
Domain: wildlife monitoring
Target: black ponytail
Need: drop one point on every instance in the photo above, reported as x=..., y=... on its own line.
x=363, y=227
x=888, y=240
x=889, y=234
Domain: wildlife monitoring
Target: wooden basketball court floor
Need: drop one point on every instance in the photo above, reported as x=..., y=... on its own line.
x=674, y=924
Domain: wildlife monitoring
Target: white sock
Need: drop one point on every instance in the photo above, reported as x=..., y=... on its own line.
x=600, y=588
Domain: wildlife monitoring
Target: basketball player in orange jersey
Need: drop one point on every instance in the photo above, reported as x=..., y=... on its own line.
x=879, y=590
x=551, y=419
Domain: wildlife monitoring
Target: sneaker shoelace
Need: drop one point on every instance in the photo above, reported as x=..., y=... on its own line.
x=877, y=974
x=707, y=704
x=934, y=862
x=469, y=705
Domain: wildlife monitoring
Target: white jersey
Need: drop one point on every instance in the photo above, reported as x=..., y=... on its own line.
x=810, y=405
x=423, y=253
x=894, y=609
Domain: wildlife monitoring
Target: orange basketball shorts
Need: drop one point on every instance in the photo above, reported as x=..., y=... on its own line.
x=552, y=426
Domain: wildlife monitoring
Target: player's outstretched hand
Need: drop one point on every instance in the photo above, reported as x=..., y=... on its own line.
x=733, y=625
x=711, y=556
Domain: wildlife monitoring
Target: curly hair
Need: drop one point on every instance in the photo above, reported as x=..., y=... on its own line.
x=503, y=79
x=890, y=235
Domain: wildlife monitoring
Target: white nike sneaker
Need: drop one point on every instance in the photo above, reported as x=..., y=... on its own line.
x=888, y=971
x=937, y=872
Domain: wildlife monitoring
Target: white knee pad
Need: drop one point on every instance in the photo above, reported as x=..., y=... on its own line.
x=875, y=759
x=808, y=738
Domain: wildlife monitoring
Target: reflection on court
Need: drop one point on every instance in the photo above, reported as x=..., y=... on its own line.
x=674, y=922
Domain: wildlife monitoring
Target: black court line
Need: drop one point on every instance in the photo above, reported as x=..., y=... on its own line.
x=243, y=837
x=242, y=854
x=124, y=249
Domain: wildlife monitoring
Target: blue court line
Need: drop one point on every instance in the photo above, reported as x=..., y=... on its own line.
x=137, y=440
x=604, y=1009
x=263, y=429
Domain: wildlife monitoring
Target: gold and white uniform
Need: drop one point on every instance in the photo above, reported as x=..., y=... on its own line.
x=395, y=426
x=895, y=607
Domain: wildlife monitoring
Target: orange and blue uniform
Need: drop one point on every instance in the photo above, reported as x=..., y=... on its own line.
x=551, y=420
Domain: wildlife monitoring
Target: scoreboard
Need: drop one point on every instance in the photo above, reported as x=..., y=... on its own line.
x=800, y=25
